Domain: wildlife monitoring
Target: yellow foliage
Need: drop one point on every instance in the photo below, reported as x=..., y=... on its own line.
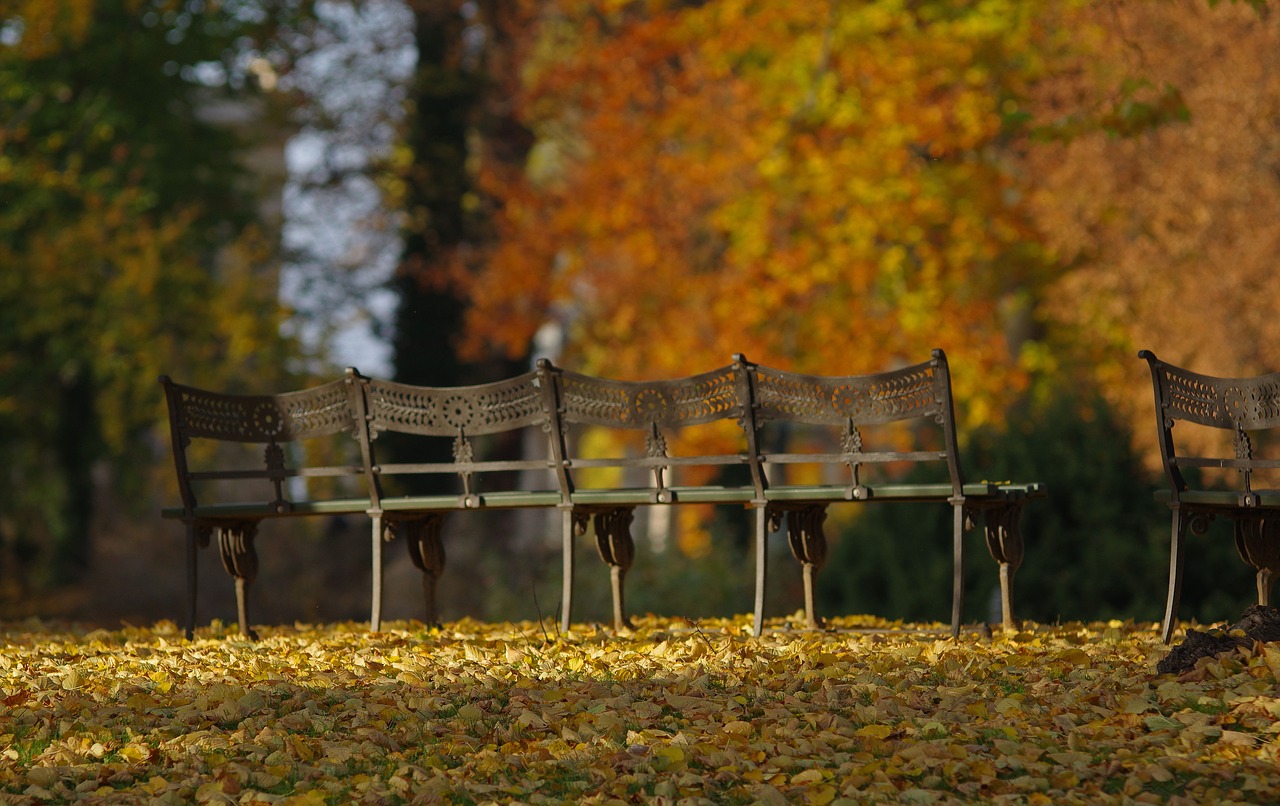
x=672, y=709
x=820, y=186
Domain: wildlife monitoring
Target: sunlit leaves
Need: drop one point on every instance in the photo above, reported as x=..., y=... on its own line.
x=672, y=709
x=818, y=185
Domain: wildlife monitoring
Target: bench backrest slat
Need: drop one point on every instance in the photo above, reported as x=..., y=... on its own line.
x=920, y=392
x=460, y=413
x=656, y=409
x=319, y=411
x=328, y=410
x=490, y=408
x=863, y=399
x=695, y=400
x=1237, y=405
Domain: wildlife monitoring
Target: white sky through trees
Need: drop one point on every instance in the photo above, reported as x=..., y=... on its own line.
x=341, y=242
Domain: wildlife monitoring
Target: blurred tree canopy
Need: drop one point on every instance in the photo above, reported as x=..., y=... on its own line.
x=1038, y=187
x=817, y=185
x=831, y=186
x=129, y=244
x=1041, y=188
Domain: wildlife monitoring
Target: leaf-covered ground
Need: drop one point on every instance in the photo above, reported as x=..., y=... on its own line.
x=674, y=711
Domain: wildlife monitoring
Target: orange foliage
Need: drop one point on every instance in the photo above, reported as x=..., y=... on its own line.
x=821, y=186
x=1169, y=239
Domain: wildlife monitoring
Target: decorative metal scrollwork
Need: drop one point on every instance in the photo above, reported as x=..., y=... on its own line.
x=655, y=444
x=613, y=536
x=235, y=545
x=672, y=404
x=616, y=547
x=885, y=397
x=484, y=409
x=274, y=457
x=1250, y=403
x=808, y=544
x=240, y=559
x=1258, y=541
x=805, y=535
x=319, y=411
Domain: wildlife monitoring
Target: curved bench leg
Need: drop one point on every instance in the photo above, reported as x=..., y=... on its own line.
x=1001, y=527
x=1177, y=542
x=809, y=546
x=1258, y=541
x=426, y=550
x=618, y=550
x=957, y=573
x=240, y=559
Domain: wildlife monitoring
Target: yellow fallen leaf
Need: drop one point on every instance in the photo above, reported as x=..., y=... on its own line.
x=810, y=776
x=673, y=755
x=876, y=731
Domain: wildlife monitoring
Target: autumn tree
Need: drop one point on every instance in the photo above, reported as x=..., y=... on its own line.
x=1167, y=236
x=128, y=247
x=822, y=186
x=468, y=59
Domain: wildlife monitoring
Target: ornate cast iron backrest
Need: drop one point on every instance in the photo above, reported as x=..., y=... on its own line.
x=271, y=420
x=655, y=408
x=673, y=404
x=490, y=408
x=1238, y=405
x=922, y=391
x=460, y=413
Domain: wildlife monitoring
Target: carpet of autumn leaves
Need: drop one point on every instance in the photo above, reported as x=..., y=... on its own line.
x=673, y=711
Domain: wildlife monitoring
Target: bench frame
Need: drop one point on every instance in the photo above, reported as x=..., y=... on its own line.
x=1237, y=405
x=555, y=402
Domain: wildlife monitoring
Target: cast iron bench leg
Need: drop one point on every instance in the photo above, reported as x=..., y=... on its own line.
x=618, y=550
x=1000, y=526
x=192, y=579
x=762, y=573
x=573, y=525
x=375, y=607
x=426, y=550
x=809, y=546
x=1258, y=541
x=235, y=543
x=957, y=577
x=1177, y=541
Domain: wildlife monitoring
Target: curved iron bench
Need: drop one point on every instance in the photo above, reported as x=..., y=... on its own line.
x=797, y=444
x=1236, y=406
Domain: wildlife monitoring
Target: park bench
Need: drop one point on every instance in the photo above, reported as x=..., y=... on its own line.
x=783, y=445
x=239, y=459
x=1230, y=409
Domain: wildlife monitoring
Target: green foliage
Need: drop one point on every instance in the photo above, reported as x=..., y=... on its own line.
x=127, y=250
x=1097, y=547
